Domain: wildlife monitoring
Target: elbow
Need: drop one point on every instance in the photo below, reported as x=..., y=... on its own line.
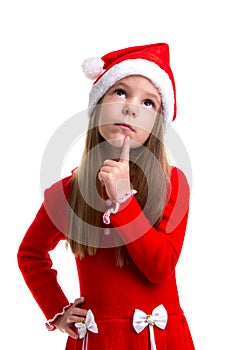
x=161, y=271
x=23, y=258
x=157, y=278
x=20, y=258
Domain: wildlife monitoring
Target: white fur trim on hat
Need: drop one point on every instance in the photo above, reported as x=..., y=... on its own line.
x=142, y=67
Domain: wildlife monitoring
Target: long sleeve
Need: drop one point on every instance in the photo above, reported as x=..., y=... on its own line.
x=156, y=250
x=34, y=260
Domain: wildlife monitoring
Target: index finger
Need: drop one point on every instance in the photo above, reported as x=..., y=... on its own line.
x=124, y=157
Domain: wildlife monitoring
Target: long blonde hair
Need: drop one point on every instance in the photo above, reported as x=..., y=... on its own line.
x=150, y=178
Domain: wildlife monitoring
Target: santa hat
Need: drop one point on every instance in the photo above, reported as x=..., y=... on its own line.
x=150, y=61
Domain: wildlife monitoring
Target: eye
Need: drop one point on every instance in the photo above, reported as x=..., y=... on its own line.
x=120, y=93
x=149, y=104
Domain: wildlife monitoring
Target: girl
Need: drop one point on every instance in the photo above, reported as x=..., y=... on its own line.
x=123, y=211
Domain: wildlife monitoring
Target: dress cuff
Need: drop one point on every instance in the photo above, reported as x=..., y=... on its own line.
x=49, y=324
x=114, y=206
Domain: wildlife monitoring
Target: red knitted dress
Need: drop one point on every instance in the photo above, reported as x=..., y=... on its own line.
x=113, y=293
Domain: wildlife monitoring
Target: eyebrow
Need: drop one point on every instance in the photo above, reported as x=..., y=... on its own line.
x=158, y=98
x=149, y=94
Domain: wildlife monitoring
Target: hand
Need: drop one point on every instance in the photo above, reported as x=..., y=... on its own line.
x=65, y=323
x=115, y=175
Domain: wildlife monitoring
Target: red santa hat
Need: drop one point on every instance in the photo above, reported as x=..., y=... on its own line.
x=151, y=61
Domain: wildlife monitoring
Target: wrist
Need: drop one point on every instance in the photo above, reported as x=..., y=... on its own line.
x=114, y=206
x=52, y=323
x=122, y=189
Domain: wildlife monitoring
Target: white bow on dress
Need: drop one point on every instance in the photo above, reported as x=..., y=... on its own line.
x=158, y=318
x=87, y=325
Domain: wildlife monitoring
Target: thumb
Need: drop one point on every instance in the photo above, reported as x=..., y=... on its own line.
x=79, y=301
x=124, y=157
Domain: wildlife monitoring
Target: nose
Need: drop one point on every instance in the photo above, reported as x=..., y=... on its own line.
x=130, y=110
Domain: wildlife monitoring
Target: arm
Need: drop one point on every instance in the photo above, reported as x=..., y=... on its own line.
x=156, y=250
x=36, y=266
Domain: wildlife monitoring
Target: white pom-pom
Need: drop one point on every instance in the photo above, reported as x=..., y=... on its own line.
x=92, y=67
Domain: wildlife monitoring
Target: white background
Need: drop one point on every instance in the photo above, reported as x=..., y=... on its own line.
x=43, y=44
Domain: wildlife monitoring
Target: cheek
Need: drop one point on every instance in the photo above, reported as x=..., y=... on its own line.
x=103, y=130
x=108, y=113
x=146, y=122
x=142, y=136
x=104, y=115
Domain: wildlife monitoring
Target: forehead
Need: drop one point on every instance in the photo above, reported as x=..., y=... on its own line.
x=137, y=80
x=132, y=78
x=139, y=83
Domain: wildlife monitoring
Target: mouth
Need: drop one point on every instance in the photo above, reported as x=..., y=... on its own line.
x=125, y=126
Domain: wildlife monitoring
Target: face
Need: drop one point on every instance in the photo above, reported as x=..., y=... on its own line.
x=129, y=108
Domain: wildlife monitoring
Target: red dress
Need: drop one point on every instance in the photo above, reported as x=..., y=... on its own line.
x=111, y=292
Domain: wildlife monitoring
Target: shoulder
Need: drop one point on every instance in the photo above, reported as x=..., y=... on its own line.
x=59, y=190
x=177, y=172
x=56, y=201
x=179, y=186
x=177, y=205
x=64, y=185
x=178, y=177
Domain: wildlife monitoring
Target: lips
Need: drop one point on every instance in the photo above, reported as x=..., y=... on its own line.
x=125, y=126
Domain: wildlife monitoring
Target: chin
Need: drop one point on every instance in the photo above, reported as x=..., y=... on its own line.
x=118, y=143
